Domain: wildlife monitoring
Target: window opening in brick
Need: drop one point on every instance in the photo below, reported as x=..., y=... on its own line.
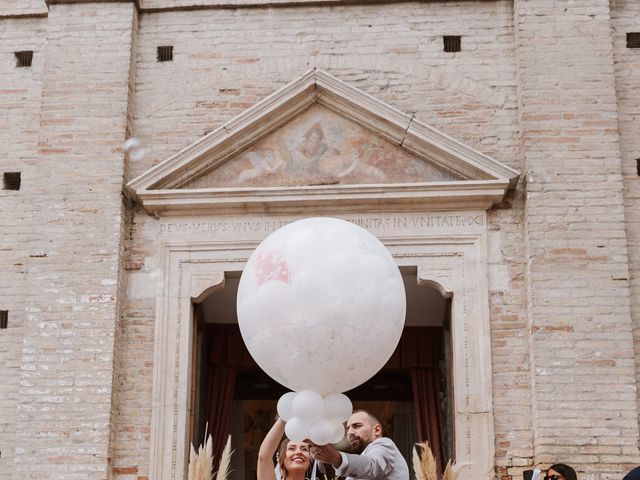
x=24, y=59
x=11, y=180
x=633, y=40
x=452, y=43
x=638, y=166
x=165, y=53
x=4, y=318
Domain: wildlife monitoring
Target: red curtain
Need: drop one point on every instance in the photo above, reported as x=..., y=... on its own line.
x=420, y=351
x=227, y=354
x=219, y=396
x=426, y=401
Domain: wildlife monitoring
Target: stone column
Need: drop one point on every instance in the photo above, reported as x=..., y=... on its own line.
x=582, y=358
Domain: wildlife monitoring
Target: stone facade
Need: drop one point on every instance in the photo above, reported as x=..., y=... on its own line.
x=547, y=88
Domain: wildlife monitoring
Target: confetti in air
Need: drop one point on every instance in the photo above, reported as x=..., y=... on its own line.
x=133, y=149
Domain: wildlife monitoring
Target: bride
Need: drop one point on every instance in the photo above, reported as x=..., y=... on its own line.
x=293, y=457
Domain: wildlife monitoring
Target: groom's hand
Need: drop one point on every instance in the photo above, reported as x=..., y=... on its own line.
x=326, y=454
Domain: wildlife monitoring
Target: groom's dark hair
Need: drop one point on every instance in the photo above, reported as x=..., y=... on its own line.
x=370, y=416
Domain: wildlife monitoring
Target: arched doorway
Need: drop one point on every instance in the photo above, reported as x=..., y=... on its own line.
x=411, y=395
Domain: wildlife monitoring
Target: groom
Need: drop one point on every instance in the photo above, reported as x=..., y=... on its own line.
x=375, y=457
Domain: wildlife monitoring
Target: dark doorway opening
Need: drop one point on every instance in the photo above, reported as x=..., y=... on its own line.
x=410, y=395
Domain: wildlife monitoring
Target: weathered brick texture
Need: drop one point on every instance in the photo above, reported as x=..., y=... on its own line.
x=547, y=87
x=20, y=97
x=23, y=8
x=625, y=18
x=578, y=272
x=64, y=402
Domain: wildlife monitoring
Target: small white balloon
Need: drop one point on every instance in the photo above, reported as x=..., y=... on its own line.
x=308, y=405
x=337, y=406
x=285, y=406
x=297, y=430
x=338, y=431
x=321, y=432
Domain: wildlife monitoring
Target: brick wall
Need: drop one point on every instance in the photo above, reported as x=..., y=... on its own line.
x=66, y=369
x=18, y=8
x=578, y=275
x=563, y=361
x=221, y=67
x=20, y=95
x=626, y=18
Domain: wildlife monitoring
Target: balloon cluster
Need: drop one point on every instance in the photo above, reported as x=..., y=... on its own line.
x=321, y=307
x=309, y=416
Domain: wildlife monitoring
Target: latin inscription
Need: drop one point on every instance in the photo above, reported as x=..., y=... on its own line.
x=369, y=223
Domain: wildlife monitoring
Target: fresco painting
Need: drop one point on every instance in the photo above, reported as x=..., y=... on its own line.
x=321, y=148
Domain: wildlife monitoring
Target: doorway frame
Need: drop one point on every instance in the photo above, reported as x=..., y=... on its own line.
x=450, y=256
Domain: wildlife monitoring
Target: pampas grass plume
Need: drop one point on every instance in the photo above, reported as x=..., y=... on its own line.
x=426, y=468
x=201, y=463
x=449, y=474
x=452, y=470
x=204, y=470
x=417, y=470
x=193, y=458
x=225, y=461
x=428, y=465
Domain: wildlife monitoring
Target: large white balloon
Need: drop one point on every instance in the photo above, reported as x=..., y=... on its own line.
x=321, y=305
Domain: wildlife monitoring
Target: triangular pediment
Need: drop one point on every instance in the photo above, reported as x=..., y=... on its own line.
x=320, y=147
x=319, y=141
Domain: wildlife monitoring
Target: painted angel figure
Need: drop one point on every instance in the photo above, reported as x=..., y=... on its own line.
x=263, y=162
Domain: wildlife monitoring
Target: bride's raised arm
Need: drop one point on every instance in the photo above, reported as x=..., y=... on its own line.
x=265, y=469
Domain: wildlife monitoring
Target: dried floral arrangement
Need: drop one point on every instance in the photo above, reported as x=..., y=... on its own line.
x=201, y=463
x=425, y=467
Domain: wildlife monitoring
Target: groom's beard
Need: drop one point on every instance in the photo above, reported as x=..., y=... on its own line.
x=357, y=444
